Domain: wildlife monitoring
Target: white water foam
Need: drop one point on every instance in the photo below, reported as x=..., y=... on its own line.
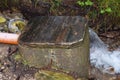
x=101, y=57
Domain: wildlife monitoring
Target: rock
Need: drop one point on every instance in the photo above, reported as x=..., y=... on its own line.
x=58, y=42
x=16, y=25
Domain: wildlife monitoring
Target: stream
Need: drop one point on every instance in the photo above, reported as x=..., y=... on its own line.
x=100, y=56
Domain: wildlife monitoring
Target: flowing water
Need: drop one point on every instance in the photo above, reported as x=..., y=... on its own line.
x=100, y=57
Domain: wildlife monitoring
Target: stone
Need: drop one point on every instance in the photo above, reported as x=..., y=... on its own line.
x=57, y=42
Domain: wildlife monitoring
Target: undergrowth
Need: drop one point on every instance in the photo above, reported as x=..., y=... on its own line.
x=103, y=14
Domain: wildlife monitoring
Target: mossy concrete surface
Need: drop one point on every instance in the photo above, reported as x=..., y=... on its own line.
x=73, y=59
x=50, y=75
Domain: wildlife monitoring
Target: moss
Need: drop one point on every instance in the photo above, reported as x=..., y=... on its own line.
x=50, y=75
x=19, y=58
x=2, y=19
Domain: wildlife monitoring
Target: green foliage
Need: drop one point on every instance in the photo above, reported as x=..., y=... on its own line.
x=102, y=11
x=89, y=3
x=56, y=2
x=107, y=10
x=111, y=7
x=86, y=3
x=103, y=14
x=80, y=3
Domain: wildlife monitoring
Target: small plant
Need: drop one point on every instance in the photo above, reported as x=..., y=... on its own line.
x=56, y=2
x=103, y=6
x=81, y=3
x=106, y=10
x=86, y=3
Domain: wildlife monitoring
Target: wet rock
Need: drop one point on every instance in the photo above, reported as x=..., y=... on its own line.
x=16, y=25
x=57, y=42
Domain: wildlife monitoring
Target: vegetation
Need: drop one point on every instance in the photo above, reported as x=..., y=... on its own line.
x=102, y=10
x=19, y=58
x=103, y=15
x=50, y=75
